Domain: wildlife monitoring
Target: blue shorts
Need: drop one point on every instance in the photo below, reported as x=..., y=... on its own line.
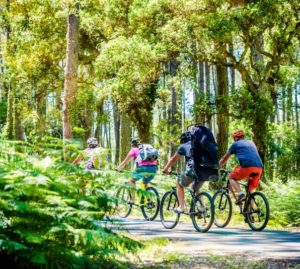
x=145, y=172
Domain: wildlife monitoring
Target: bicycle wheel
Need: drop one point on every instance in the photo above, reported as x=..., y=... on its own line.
x=169, y=202
x=202, y=212
x=150, y=204
x=123, y=198
x=223, y=208
x=257, y=211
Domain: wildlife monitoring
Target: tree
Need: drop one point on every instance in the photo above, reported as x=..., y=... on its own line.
x=70, y=71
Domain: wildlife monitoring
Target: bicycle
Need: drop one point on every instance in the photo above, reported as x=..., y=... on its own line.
x=149, y=201
x=255, y=207
x=201, y=209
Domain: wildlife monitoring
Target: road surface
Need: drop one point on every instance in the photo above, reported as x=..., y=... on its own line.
x=271, y=244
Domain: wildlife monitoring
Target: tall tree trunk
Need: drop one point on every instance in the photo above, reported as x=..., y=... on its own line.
x=283, y=104
x=174, y=112
x=116, y=115
x=18, y=123
x=99, y=119
x=70, y=85
x=289, y=102
x=208, y=116
x=222, y=109
x=125, y=135
x=297, y=88
x=199, y=113
x=232, y=70
x=41, y=112
x=9, y=127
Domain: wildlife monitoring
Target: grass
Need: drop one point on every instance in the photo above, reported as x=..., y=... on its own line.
x=161, y=253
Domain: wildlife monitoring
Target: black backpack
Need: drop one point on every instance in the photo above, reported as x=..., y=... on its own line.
x=203, y=148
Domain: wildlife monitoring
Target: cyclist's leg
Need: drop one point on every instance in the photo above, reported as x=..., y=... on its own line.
x=183, y=181
x=149, y=172
x=136, y=175
x=254, y=178
x=237, y=174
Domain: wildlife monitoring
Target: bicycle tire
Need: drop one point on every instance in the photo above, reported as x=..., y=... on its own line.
x=203, y=211
x=123, y=197
x=149, y=205
x=254, y=215
x=169, y=202
x=223, y=208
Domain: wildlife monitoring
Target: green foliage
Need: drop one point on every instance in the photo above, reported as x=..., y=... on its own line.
x=46, y=220
x=284, y=199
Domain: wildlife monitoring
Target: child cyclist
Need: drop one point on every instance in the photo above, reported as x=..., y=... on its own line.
x=250, y=163
x=144, y=170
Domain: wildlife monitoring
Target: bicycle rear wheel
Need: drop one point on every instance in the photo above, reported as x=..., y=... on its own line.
x=223, y=208
x=257, y=211
x=150, y=204
x=123, y=206
x=169, y=202
x=202, y=212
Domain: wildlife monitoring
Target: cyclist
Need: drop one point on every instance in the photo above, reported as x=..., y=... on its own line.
x=188, y=176
x=144, y=170
x=93, y=155
x=250, y=163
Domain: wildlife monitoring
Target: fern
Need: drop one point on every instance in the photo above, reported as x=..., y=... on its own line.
x=46, y=221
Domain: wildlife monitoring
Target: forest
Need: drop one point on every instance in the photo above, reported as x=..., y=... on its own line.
x=119, y=69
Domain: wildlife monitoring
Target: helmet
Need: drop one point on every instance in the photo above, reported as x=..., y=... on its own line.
x=136, y=141
x=238, y=133
x=185, y=137
x=92, y=142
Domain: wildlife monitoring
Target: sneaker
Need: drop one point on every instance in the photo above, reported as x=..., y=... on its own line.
x=240, y=198
x=179, y=210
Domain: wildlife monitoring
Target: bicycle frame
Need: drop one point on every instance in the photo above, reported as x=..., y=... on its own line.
x=228, y=189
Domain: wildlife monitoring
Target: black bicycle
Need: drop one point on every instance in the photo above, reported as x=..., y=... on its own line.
x=201, y=209
x=255, y=208
x=148, y=201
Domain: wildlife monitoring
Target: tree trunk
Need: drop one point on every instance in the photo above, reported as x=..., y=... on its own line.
x=174, y=113
x=222, y=109
x=99, y=119
x=70, y=85
x=9, y=127
x=41, y=112
x=208, y=116
x=289, y=102
x=199, y=114
x=125, y=135
x=296, y=107
x=283, y=104
x=18, y=124
x=116, y=115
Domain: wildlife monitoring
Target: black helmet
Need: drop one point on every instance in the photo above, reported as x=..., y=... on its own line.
x=185, y=137
x=136, y=141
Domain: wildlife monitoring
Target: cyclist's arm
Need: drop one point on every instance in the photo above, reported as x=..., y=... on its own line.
x=171, y=162
x=77, y=160
x=125, y=162
x=224, y=158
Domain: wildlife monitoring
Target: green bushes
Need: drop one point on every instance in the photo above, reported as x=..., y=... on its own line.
x=284, y=199
x=47, y=222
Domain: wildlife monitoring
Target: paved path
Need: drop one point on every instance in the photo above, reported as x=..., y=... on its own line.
x=266, y=244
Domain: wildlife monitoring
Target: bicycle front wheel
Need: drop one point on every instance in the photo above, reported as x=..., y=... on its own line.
x=202, y=212
x=150, y=204
x=169, y=202
x=257, y=211
x=124, y=206
x=223, y=208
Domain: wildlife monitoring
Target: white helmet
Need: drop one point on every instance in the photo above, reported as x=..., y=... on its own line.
x=92, y=142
